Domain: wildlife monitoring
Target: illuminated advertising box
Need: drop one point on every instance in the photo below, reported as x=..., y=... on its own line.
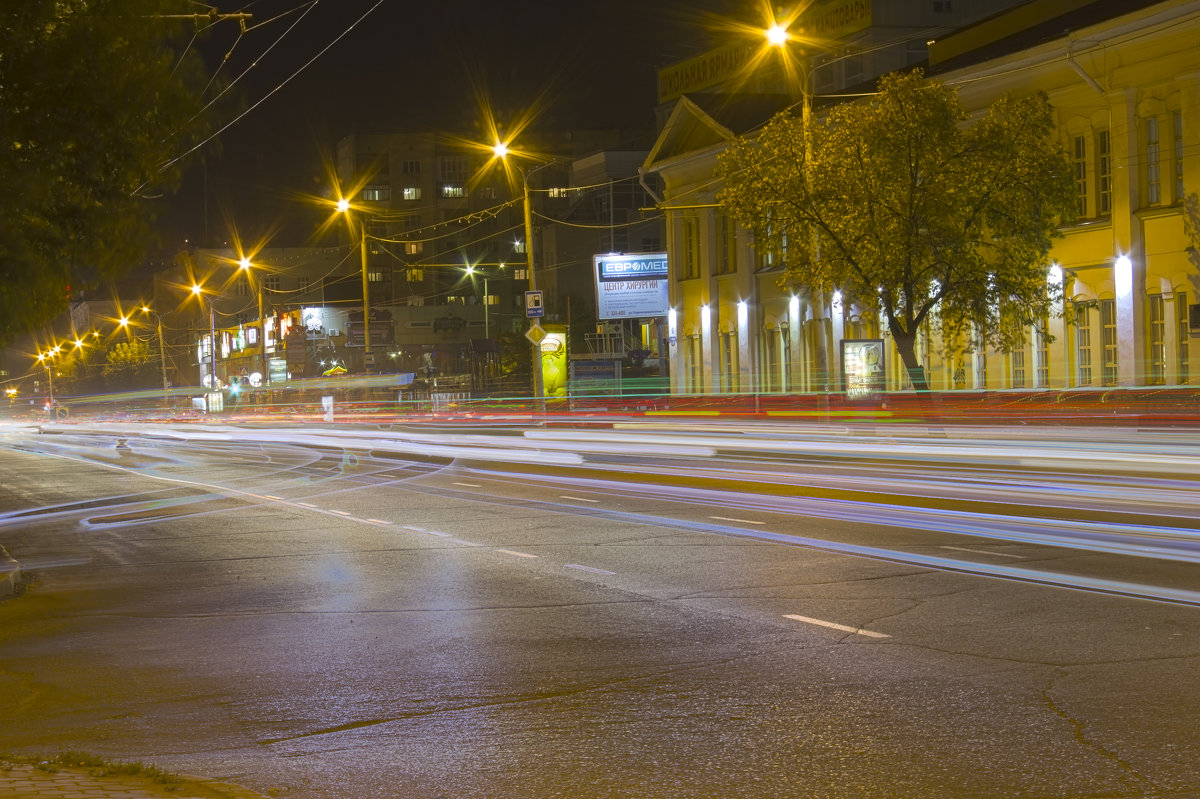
x=863, y=372
x=631, y=286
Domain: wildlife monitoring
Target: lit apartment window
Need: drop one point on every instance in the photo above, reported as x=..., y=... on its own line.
x=1153, y=187
x=376, y=277
x=558, y=192
x=520, y=274
x=413, y=248
x=412, y=193
x=1083, y=343
x=519, y=246
x=1158, y=340
x=416, y=300
x=1178, y=126
x=1181, y=314
x=416, y=275
x=1108, y=340
x=453, y=191
x=377, y=194
x=1080, y=161
x=1104, y=175
x=411, y=167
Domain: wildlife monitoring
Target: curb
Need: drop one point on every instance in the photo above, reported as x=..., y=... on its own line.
x=10, y=574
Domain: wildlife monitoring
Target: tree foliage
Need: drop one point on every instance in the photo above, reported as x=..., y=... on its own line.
x=903, y=205
x=130, y=365
x=98, y=98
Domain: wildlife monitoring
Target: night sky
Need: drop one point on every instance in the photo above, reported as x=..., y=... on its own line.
x=405, y=65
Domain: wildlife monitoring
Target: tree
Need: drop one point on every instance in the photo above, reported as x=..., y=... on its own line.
x=96, y=106
x=900, y=204
x=130, y=365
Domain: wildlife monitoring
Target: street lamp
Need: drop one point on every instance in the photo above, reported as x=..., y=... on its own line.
x=501, y=151
x=198, y=293
x=162, y=358
x=44, y=360
x=343, y=206
x=244, y=265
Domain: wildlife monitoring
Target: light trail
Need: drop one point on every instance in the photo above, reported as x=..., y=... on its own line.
x=796, y=457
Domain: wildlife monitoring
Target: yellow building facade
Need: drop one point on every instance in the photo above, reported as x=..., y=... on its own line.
x=1126, y=91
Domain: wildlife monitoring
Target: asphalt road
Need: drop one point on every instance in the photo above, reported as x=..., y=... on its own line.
x=648, y=613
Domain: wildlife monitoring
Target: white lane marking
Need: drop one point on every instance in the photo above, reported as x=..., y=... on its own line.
x=731, y=519
x=834, y=626
x=468, y=485
x=378, y=521
x=515, y=553
x=269, y=496
x=984, y=552
x=306, y=504
x=339, y=512
x=587, y=569
x=577, y=499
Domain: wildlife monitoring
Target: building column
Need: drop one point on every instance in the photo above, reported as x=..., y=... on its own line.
x=1129, y=260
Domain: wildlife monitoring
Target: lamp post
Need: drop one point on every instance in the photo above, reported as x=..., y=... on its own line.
x=244, y=265
x=162, y=358
x=198, y=292
x=501, y=151
x=44, y=360
x=343, y=205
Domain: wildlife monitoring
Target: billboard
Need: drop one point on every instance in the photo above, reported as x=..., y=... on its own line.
x=632, y=286
x=863, y=372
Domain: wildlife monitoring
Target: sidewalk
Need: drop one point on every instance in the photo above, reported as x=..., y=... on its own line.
x=25, y=781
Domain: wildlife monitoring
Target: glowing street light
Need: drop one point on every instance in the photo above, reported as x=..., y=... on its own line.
x=244, y=265
x=198, y=293
x=344, y=207
x=501, y=150
x=162, y=359
x=777, y=35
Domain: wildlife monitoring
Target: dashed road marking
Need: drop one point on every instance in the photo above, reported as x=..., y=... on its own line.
x=985, y=552
x=378, y=521
x=731, y=519
x=340, y=512
x=468, y=485
x=835, y=626
x=514, y=553
x=306, y=504
x=590, y=569
x=577, y=499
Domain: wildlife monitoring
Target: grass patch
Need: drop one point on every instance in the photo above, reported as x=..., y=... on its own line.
x=97, y=767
